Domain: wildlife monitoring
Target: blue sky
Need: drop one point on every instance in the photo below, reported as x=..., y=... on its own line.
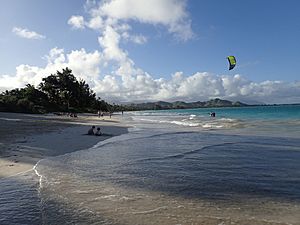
x=156, y=49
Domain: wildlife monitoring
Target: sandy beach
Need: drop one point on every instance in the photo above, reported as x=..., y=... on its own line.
x=158, y=173
x=27, y=138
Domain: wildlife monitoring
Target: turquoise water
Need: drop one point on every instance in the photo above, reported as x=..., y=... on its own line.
x=281, y=120
x=259, y=112
x=282, y=112
x=173, y=167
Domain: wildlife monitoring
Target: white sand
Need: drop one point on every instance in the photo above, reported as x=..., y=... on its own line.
x=25, y=139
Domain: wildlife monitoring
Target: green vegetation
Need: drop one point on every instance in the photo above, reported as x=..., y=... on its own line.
x=62, y=92
x=184, y=105
x=58, y=92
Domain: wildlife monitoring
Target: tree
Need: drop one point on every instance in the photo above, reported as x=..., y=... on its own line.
x=57, y=92
x=28, y=99
x=65, y=91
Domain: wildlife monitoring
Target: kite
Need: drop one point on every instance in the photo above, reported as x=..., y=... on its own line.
x=232, y=62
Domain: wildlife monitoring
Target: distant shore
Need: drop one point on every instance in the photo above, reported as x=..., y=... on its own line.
x=27, y=138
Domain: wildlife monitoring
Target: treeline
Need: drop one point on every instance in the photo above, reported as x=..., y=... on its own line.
x=60, y=92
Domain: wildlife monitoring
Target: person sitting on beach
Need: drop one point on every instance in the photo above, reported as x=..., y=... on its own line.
x=98, y=132
x=91, y=131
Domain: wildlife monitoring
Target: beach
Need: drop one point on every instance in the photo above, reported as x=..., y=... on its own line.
x=26, y=138
x=171, y=167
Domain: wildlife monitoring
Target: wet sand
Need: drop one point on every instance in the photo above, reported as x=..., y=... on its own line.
x=26, y=138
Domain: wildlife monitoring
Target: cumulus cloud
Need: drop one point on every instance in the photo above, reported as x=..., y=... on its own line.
x=25, y=33
x=110, y=41
x=96, y=23
x=141, y=86
x=77, y=22
x=137, y=39
x=111, y=18
x=113, y=75
x=84, y=65
x=169, y=13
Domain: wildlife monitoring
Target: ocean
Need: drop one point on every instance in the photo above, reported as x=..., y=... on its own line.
x=173, y=167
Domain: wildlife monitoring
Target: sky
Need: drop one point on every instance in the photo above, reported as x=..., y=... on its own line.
x=151, y=50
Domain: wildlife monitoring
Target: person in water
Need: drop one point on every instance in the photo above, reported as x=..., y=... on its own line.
x=91, y=131
x=213, y=114
x=98, y=132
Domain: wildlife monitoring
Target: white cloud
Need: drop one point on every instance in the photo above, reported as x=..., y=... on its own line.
x=77, y=22
x=136, y=85
x=56, y=56
x=84, y=65
x=25, y=33
x=138, y=39
x=125, y=81
x=96, y=23
x=169, y=13
x=110, y=43
x=111, y=19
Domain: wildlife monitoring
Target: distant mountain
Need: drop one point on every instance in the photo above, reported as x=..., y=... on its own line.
x=184, y=105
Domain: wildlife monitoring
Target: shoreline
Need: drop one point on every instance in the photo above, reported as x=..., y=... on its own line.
x=203, y=178
x=27, y=138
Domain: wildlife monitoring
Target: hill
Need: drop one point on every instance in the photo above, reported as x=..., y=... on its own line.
x=160, y=105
